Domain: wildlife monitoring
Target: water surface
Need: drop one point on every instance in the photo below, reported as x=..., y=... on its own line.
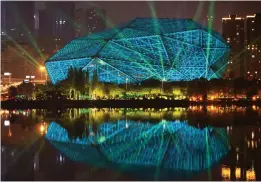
x=195, y=143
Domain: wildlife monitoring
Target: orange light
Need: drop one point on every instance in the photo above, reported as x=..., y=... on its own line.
x=238, y=173
x=250, y=175
x=225, y=173
x=42, y=68
x=42, y=128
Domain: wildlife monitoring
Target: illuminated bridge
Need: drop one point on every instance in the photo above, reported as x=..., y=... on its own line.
x=131, y=145
x=144, y=48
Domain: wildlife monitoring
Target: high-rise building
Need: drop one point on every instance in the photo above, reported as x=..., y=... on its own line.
x=253, y=43
x=17, y=19
x=233, y=30
x=56, y=25
x=89, y=21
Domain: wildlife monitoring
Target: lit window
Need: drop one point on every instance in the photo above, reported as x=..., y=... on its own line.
x=237, y=33
x=253, y=21
x=228, y=38
x=253, y=56
x=253, y=29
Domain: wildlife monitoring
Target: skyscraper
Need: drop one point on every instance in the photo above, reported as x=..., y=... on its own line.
x=233, y=31
x=89, y=21
x=56, y=25
x=253, y=42
x=17, y=19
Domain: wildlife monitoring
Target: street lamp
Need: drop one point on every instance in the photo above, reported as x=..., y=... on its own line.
x=9, y=75
x=42, y=68
x=163, y=80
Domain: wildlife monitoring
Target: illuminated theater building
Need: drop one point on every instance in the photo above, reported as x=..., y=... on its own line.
x=145, y=48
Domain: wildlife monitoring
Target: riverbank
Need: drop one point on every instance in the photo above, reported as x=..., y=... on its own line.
x=62, y=104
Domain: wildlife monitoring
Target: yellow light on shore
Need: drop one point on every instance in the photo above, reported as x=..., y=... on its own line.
x=42, y=68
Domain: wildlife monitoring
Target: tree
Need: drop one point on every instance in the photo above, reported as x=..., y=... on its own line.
x=12, y=91
x=26, y=89
x=95, y=79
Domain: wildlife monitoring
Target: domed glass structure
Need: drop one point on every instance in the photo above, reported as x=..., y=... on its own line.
x=163, y=49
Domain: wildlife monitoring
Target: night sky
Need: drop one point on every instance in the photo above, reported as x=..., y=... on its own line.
x=122, y=11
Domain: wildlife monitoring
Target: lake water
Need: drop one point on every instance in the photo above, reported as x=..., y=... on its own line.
x=195, y=143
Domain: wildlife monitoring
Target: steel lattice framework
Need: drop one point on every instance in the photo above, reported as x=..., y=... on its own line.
x=164, y=49
x=170, y=144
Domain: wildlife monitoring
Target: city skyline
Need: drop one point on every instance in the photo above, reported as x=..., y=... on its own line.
x=170, y=9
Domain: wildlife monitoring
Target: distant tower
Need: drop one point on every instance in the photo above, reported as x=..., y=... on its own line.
x=17, y=19
x=253, y=43
x=233, y=32
x=89, y=21
x=56, y=25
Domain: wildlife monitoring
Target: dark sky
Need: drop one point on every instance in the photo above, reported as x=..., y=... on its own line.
x=123, y=11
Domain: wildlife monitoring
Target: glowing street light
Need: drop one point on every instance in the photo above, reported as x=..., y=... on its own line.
x=9, y=75
x=42, y=69
x=7, y=123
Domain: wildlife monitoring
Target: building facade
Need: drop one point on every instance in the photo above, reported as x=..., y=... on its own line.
x=253, y=44
x=17, y=21
x=56, y=25
x=233, y=30
x=89, y=21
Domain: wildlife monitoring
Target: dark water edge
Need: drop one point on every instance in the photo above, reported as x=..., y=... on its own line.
x=59, y=104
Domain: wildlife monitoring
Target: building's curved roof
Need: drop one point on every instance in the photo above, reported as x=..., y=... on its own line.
x=170, y=49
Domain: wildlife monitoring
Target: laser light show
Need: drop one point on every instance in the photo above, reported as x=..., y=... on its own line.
x=145, y=48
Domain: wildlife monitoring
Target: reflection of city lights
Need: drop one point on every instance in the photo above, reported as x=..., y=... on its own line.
x=252, y=144
x=9, y=132
x=7, y=123
x=238, y=173
x=42, y=128
x=250, y=175
x=253, y=135
x=237, y=157
x=225, y=173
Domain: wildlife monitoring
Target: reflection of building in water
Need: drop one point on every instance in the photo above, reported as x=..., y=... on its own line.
x=130, y=143
x=245, y=144
x=240, y=174
x=226, y=173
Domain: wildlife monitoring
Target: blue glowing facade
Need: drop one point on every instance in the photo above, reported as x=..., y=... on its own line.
x=172, y=145
x=163, y=49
